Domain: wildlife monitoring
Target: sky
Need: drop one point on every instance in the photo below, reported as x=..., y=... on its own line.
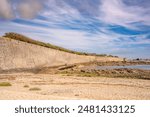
x=116, y=27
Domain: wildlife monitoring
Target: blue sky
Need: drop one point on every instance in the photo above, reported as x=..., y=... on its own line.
x=117, y=27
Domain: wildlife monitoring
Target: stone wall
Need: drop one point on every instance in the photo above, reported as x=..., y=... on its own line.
x=21, y=55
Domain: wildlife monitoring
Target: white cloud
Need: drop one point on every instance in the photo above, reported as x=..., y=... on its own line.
x=66, y=38
x=20, y=8
x=29, y=8
x=60, y=27
x=103, y=42
x=5, y=9
x=118, y=13
x=59, y=10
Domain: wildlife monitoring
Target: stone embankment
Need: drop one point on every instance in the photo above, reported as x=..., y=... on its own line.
x=16, y=54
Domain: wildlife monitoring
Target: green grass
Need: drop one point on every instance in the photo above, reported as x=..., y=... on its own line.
x=35, y=89
x=5, y=84
x=23, y=38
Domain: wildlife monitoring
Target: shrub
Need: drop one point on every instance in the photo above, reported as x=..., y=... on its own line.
x=35, y=89
x=23, y=38
x=5, y=84
x=26, y=86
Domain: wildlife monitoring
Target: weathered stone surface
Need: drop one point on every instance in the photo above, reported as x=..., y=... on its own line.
x=21, y=55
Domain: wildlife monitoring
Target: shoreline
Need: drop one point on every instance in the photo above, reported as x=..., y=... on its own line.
x=84, y=70
x=87, y=70
x=73, y=82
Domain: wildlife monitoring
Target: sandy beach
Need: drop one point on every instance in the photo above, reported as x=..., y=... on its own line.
x=63, y=87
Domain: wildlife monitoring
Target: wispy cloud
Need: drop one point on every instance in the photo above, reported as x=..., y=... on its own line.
x=118, y=27
x=118, y=13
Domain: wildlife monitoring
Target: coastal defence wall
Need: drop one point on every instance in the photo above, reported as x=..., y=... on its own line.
x=16, y=54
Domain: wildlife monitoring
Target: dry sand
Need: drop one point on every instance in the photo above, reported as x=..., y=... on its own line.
x=62, y=87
